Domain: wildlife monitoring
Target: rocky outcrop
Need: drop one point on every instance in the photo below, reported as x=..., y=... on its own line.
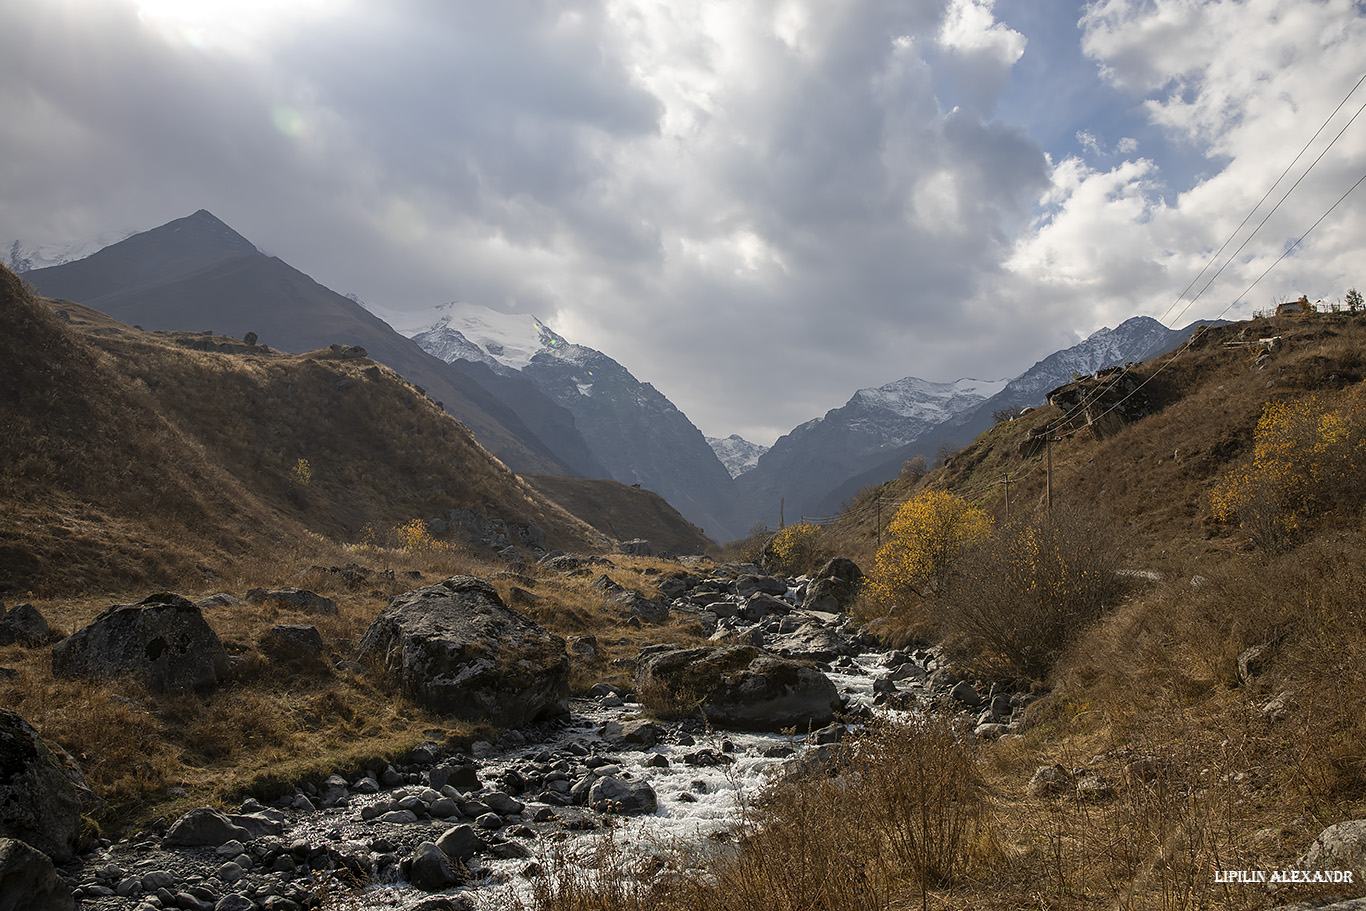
x=42, y=793
x=29, y=882
x=457, y=649
x=740, y=686
x=162, y=640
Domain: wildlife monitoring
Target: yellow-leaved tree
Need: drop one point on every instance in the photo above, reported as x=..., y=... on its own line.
x=926, y=536
x=1309, y=457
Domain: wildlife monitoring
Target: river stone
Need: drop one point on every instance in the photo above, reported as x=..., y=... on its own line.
x=24, y=625
x=204, y=826
x=162, y=640
x=461, y=843
x=741, y=687
x=42, y=793
x=29, y=882
x=429, y=869
x=458, y=650
x=813, y=642
x=617, y=795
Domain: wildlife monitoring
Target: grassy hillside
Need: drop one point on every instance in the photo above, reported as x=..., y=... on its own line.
x=623, y=512
x=147, y=458
x=1207, y=719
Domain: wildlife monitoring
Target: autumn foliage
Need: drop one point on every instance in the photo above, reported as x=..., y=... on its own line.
x=1308, y=458
x=924, y=540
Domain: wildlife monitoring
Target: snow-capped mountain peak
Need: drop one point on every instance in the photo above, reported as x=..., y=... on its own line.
x=501, y=340
x=738, y=454
x=22, y=257
x=912, y=397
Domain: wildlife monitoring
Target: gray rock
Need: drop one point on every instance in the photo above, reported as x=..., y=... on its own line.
x=461, y=843
x=458, y=650
x=769, y=585
x=503, y=805
x=760, y=605
x=636, y=547
x=1341, y=846
x=966, y=694
x=204, y=826
x=430, y=870
x=619, y=796
x=584, y=646
x=834, y=587
x=741, y=687
x=260, y=823
x=42, y=793
x=23, y=624
x=235, y=902
x=295, y=599
x=162, y=640
x=1048, y=780
x=222, y=599
x=811, y=641
x=638, y=733
x=29, y=882
x=1252, y=662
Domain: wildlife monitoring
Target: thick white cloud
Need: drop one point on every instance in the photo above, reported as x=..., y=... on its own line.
x=757, y=207
x=1244, y=85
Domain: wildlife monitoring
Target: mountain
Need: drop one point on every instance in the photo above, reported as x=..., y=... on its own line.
x=196, y=273
x=738, y=454
x=1136, y=339
x=805, y=463
x=630, y=427
x=21, y=257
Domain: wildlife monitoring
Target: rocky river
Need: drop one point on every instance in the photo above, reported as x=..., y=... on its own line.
x=441, y=829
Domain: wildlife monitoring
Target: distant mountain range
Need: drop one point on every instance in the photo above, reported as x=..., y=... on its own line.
x=792, y=477
x=629, y=427
x=548, y=406
x=1135, y=339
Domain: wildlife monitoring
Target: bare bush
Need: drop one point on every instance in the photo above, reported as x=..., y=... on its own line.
x=1025, y=591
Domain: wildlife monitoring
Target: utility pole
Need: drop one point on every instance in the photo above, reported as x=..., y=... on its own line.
x=879, y=523
x=781, y=503
x=1048, y=447
x=1007, y=497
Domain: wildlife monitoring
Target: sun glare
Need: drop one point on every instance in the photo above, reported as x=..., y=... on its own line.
x=232, y=24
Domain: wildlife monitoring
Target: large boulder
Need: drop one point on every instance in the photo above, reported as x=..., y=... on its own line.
x=834, y=586
x=740, y=686
x=42, y=793
x=457, y=649
x=29, y=882
x=205, y=826
x=162, y=640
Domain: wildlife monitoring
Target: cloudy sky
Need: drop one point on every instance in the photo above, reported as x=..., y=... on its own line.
x=757, y=206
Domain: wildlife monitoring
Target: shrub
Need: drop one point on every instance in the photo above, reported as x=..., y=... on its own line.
x=1027, y=590
x=301, y=475
x=1308, y=459
x=795, y=550
x=924, y=540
